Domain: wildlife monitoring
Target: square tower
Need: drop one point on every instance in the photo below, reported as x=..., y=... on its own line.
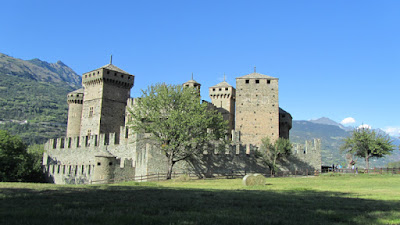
x=257, y=108
x=223, y=98
x=106, y=91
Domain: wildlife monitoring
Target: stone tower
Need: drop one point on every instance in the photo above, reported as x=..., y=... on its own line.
x=257, y=108
x=75, y=101
x=106, y=91
x=223, y=98
x=192, y=83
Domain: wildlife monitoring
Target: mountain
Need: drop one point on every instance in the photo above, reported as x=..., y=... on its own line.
x=327, y=121
x=33, y=97
x=332, y=134
x=38, y=70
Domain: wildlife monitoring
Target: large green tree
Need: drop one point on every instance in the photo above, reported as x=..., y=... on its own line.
x=180, y=124
x=367, y=143
x=271, y=152
x=13, y=158
x=19, y=162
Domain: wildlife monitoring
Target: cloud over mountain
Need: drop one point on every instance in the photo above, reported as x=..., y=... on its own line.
x=348, y=120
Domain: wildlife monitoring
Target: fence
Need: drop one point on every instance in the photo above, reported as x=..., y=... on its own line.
x=232, y=175
x=370, y=171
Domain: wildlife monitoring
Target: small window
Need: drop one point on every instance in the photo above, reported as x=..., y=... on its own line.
x=98, y=72
x=220, y=89
x=90, y=111
x=213, y=89
x=247, y=81
x=115, y=74
x=122, y=76
x=257, y=81
x=108, y=72
x=110, y=163
x=99, y=163
x=268, y=81
x=226, y=89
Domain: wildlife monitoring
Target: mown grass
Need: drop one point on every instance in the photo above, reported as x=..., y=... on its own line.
x=348, y=199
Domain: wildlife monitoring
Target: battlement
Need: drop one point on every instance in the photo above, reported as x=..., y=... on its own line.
x=109, y=74
x=109, y=139
x=310, y=146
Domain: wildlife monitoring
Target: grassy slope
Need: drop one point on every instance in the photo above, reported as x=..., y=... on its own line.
x=362, y=199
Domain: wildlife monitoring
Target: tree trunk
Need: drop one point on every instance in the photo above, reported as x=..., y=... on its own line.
x=170, y=166
x=367, y=161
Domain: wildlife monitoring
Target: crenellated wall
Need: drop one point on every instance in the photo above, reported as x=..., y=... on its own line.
x=113, y=157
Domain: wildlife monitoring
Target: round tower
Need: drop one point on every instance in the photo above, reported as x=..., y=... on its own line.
x=194, y=84
x=104, y=169
x=75, y=100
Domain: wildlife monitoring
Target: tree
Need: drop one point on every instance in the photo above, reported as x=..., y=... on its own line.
x=271, y=152
x=180, y=125
x=13, y=157
x=366, y=143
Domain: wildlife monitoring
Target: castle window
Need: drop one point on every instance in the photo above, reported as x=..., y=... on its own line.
x=83, y=168
x=268, y=81
x=257, y=81
x=98, y=72
x=220, y=89
x=213, y=89
x=129, y=77
x=64, y=169
x=90, y=111
x=110, y=163
x=58, y=169
x=76, y=169
x=108, y=72
x=247, y=81
x=89, y=169
x=99, y=163
x=122, y=76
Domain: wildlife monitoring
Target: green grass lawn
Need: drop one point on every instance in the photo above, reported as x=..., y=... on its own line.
x=347, y=199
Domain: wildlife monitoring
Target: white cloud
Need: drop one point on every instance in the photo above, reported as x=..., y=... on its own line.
x=392, y=131
x=348, y=120
x=365, y=126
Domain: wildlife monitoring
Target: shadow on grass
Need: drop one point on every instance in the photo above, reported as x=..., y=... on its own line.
x=152, y=205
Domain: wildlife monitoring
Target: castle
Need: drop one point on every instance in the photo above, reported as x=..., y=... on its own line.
x=99, y=147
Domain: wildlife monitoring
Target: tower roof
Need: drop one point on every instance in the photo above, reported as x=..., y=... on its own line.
x=222, y=84
x=112, y=68
x=257, y=76
x=79, y=91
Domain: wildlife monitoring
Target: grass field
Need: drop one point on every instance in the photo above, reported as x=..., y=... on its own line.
x=346, y=199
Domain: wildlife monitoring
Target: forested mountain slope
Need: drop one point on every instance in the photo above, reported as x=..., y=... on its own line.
x=33, y=97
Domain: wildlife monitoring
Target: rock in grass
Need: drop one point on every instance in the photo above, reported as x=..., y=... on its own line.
x=254, y=179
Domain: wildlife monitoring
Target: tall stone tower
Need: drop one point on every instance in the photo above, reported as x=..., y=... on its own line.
x=257, y=108
x=75, y=101
x=223, y=98
x=106, y=91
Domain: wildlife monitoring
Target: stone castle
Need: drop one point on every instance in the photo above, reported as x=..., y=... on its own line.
x=99, y=147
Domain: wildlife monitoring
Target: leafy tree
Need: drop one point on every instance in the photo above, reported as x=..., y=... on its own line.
x=13, y=157
x=366, y=143
x=180, y=125
x=35, y=159
x=269, y=152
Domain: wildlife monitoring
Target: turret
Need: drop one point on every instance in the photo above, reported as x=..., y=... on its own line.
x=75, y=100
x=192, y=83
x=223, y=98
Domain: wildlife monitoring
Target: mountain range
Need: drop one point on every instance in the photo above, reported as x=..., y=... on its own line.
x=33, y=105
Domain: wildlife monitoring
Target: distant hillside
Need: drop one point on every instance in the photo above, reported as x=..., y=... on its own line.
x=332, y=135
x=33, y=97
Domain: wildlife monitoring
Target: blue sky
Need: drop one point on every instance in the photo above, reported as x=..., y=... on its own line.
x=336, y=59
